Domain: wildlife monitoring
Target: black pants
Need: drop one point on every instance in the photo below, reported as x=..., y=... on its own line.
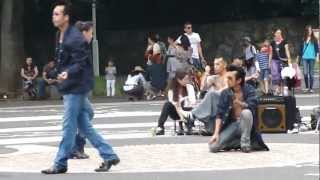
x=137, y=92
x=168, y=109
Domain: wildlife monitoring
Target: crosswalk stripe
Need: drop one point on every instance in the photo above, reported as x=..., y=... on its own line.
x=105, y=115
x=98, y=126
x=51, y=139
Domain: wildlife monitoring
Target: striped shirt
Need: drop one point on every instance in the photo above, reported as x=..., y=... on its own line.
x=263, y=60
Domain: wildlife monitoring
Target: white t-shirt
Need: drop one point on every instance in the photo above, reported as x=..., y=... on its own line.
x=133, y=81
x=194, y=39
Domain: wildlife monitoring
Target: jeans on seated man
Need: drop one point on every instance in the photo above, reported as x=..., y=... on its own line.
x=234, y=127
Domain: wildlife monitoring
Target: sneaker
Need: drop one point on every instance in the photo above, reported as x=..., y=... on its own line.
x=159, y=131
x=107, y=164
x=311, y=91
x=305, y=90
x=54, y=170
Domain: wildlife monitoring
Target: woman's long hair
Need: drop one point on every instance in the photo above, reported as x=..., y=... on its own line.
x=185, y=42
x=176, y=87
x=306, y=34
x=25, y=66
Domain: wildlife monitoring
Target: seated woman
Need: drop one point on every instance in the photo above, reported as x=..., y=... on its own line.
x=134, y=85
x=180, y=94
x=29, y=73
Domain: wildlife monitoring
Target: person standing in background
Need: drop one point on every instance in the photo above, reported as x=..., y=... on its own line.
x=111, y=72
x=309, y=54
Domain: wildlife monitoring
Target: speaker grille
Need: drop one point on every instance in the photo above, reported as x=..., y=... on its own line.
x=271, y=117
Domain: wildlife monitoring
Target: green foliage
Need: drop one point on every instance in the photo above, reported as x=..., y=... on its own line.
x=100, y=86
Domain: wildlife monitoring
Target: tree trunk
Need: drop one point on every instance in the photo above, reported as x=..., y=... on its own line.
x=12, y=44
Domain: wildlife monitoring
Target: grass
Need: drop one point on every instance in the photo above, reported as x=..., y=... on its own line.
x=100, y=86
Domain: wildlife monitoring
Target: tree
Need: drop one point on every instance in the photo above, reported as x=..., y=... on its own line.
x=12, y=44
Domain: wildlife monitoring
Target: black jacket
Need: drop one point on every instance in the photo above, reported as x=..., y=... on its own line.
x=73, y=56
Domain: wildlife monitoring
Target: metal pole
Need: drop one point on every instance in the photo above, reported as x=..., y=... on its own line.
x=95, y=45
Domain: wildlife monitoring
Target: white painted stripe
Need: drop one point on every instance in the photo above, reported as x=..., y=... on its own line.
x=111, y=104
x=106, y=115
x=98, y=126
x=58, y=138
x=306, y=108
x=307, y=96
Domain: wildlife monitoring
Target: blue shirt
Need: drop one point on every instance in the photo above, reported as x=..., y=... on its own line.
x=263, y=60
x=309, y=51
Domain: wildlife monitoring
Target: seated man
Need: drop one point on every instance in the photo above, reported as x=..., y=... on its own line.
x=48, y=78
x=205, y=111
x=235, y=116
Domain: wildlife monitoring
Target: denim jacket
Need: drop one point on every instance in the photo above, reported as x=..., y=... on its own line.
x=224, y=112
x=73, y=56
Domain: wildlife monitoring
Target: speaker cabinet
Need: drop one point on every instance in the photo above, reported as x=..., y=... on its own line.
x=272, y=118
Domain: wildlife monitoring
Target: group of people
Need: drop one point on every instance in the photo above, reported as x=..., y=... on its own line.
x=268, y=65
x=227, y=109
x=162, y=62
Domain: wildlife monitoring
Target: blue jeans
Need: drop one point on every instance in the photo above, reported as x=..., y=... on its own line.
x=80, y=140
x=237, y=134
x=308, y=71
x=42, y=88
x=77, y=116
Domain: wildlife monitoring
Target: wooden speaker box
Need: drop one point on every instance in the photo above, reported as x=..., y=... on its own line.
x=272, y=118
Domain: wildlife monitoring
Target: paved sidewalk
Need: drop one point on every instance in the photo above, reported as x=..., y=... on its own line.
x=157, y=158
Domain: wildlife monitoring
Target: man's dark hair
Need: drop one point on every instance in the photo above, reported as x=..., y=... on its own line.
x=84, y=25
x=187, y=23
x=240, y=73
x=67, y=6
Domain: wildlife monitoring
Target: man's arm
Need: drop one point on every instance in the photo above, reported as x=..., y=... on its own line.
x=215, y=137
x=79, y=56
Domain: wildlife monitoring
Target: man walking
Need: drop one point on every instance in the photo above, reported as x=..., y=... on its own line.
x=75, y=78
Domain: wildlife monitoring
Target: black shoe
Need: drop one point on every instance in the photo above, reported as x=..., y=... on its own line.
x=245, y=149
x=189, y=132
x=159, y=131
x=54, y=170
x=180, y=132
x=107, y=164
x=79, y=155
